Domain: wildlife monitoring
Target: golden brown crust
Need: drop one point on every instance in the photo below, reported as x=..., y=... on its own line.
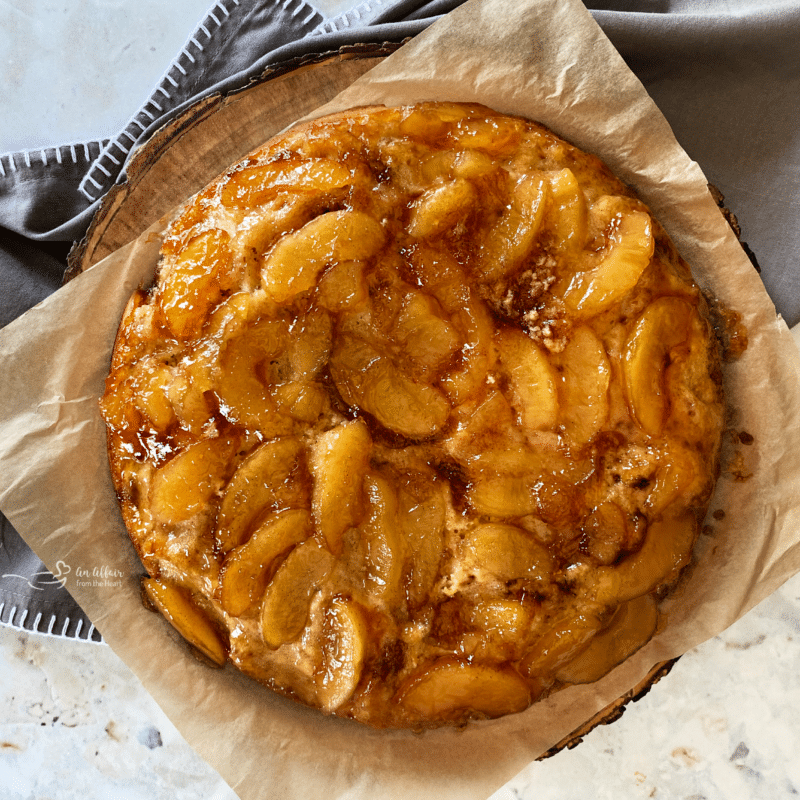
x=419, y=419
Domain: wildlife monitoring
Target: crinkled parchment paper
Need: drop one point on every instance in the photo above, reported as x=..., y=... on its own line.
x=545, y=59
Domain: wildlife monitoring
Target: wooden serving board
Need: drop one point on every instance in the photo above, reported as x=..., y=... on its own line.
x=197, y=146
x=189, y=152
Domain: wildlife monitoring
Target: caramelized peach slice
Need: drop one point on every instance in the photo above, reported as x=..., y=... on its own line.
x=304, y=401
x=585, y=378
x=494, y=136
x=369, y=380
x=441, y=208
x=630, y=248
x=474, y=323
x=344, y=645
x=473, y=164
x=666, y=550
x=310, y=344
x=451, y=688
x=469, y=165
x=510, y=241
x=186, y=617
x=383, y=544
x=285, y=609
x=531, y=380
x=241, y=382
x=422, y=521
x=562, y=643
x=150, y=395
x=675, y=475
x=506, y=552
x=338, y=462
x=505, y=620
x=631, y=627
x=427, y=338
x=244, y=575
x=502, y=496
x=342, y=287
x=185, y=485
x=263, y=480
x=567, y=211
x=606, y=532
x=187, y=393
x=195, y=282
x=253, y=185
x=297, y=260
x=664, y=326
x=258, y=232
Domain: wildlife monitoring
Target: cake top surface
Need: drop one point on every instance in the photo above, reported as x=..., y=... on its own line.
x=420, y=418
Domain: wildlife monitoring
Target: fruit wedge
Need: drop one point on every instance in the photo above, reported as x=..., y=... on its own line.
x=297, y=260
x=531, y=379
x=383, y=543
x=664, y=326
x=506, y=552
x=185, y=616
x=284, y=612
x=631, y=627
x=512, y=238
x=338, y=462
x=441, y=208
x=246, y=569
x=368, y=379
x=583, y=388
x=451, y=687
x=262, y=480
x=630, y=248
x=184, y=486
x=195, y=282
x=256, y=184
x=344, y=646
x=567, y=211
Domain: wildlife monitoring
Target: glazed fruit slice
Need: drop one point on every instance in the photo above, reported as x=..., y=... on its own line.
x=297, y=260
x=185, y=616
x=631, y=627
x=510, y=241
x=531, y=378
x=338, y=464
x=450, y=687
x=246, y=570
x=195, y=283
x=184, y=486
x=284, y=612
x=629, y=250
x=583, y=391
x=383, y=543
x=344, y=646
x=261, y=482
x=664, y=326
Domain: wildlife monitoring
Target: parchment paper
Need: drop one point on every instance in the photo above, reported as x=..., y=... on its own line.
x=545, y=59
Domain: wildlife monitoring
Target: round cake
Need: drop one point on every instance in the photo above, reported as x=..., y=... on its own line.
x=420, y=418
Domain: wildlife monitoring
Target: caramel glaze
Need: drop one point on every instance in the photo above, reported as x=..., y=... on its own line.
x=473, y=288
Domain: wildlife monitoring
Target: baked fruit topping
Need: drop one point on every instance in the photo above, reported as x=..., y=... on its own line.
x=420, y=418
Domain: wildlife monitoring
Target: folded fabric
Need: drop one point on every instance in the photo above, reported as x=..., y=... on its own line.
x=725, y=73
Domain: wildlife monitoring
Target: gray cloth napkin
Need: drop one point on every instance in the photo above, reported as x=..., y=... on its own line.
x=725, y=73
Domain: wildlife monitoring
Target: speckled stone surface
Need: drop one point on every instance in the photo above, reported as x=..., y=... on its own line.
x=723, y=725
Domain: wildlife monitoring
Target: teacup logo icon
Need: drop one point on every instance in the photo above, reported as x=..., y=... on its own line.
x=62, y=570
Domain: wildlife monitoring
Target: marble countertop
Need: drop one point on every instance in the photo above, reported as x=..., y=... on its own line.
x=722, y=725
